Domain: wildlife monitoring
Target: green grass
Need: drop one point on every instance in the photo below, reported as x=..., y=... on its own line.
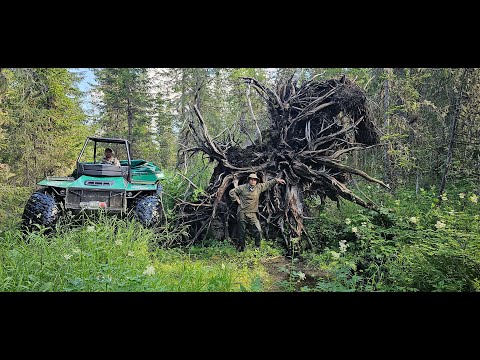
x=110, y=254
x=413, y=244
x=12, y=202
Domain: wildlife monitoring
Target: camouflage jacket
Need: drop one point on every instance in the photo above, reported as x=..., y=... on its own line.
x=249, y=199
x=112, y=161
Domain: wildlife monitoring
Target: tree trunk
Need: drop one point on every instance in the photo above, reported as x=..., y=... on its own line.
x=417, y=182
x=387, y=178
x=451, y=144
x=130, y=124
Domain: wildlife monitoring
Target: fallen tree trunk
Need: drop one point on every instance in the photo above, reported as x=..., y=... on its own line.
x=313, y=126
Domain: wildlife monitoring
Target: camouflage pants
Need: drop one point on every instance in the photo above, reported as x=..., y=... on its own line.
x=246, y=221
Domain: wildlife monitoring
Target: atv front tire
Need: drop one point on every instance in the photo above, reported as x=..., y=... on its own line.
x=148, y=210
x=41, y=209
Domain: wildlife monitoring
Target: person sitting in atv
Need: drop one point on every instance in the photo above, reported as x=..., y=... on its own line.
x=110, y=158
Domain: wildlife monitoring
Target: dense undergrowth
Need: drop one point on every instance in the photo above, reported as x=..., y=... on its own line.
x=416, y=243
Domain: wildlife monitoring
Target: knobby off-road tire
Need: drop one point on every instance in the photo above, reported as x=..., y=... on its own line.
x=148, y=210
x=41, y=209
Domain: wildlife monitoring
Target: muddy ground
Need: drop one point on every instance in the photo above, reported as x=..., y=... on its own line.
x=280, y=268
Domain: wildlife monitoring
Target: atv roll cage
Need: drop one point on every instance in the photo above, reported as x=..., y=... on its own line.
x=95, y=169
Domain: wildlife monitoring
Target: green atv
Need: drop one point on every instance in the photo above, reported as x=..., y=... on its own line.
x=93, y=185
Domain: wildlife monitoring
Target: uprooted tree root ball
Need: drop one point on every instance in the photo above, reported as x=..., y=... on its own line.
x=313, y=126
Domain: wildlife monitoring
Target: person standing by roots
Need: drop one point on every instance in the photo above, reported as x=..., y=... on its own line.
x=247, y=196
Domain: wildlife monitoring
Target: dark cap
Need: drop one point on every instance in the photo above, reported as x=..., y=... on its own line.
x=109, y=149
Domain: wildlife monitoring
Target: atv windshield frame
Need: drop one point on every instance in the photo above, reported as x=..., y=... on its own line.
x=106, y=140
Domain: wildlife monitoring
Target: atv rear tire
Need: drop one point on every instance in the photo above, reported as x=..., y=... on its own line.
x=41, y=209
x=148, y=210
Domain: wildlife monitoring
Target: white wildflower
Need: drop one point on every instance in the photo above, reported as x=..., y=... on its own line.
x=150, y=270
x=348, y=221
x=413, y=219
x=462, y=195
x=118, y=242
x=439, y=224
x=335, y=254
x=354, y=229
x=444, y=197
x=223, y=266
x=301, y=275
x=67, y=256
x=473, y=198
x=364, y=224
x=90, y=228
x=343, y=246
x=131, y=253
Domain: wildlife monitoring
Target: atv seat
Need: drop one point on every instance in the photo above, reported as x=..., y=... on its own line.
x=102, y=170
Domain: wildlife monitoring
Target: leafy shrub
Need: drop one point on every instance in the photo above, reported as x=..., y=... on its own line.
x=414, y=243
